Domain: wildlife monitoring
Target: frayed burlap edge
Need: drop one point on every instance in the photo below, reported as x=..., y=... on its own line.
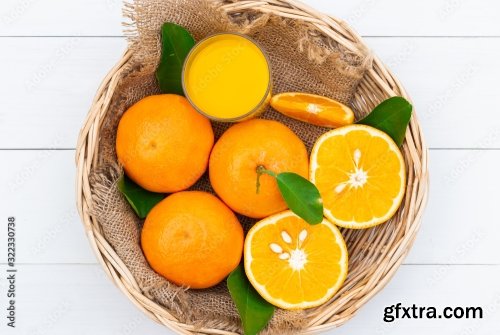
x=319, y=48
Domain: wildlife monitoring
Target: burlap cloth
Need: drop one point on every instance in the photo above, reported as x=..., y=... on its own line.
x=301, y=60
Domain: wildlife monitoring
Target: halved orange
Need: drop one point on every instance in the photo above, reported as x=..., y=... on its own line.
x=360, y=174
x=295, y=265
x=314, y=109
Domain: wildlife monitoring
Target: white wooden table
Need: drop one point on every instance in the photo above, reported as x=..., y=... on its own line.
x=53, y=55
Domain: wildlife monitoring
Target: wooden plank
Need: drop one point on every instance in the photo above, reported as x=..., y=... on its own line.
x=459, y=226
x=451, y=86
x=37, y=187
x=458, y=286
x=368, y=17
x=51, y=83
x=61, y=18
x=54, y=299
x=415, y=18
x=58, y=298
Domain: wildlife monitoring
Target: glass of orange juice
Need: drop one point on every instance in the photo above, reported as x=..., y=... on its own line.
x=227, y=77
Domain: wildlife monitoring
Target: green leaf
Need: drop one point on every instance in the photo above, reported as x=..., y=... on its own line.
x=301, y=196
x=392, y=117
x=255, y=312
x=141, y=200
x=176, y=44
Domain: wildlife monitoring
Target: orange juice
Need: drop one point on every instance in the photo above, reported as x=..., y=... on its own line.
x=227, y=77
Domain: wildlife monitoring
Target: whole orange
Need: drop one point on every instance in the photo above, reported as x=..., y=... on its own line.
x=192, y=239
x=163, y=143
x=240, y=151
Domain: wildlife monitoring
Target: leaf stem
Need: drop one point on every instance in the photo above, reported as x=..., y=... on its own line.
x=261, y=169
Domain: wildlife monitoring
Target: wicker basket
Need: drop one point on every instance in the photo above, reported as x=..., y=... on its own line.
x=377, y=84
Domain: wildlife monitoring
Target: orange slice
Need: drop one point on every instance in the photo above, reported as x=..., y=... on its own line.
x=294, y=265
x=360, y=174
x=314, y=109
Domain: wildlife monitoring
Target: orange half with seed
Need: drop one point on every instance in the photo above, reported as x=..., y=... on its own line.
x=360, y=174
x=295, y=265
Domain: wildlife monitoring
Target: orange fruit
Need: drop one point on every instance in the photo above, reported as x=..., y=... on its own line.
x=240, y=151
x=192, y=239
x=163, y=143
x=295, y=265
x=360, y=174
x=314, y=109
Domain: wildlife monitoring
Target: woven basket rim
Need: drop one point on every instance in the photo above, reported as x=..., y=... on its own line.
x=377, y=84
